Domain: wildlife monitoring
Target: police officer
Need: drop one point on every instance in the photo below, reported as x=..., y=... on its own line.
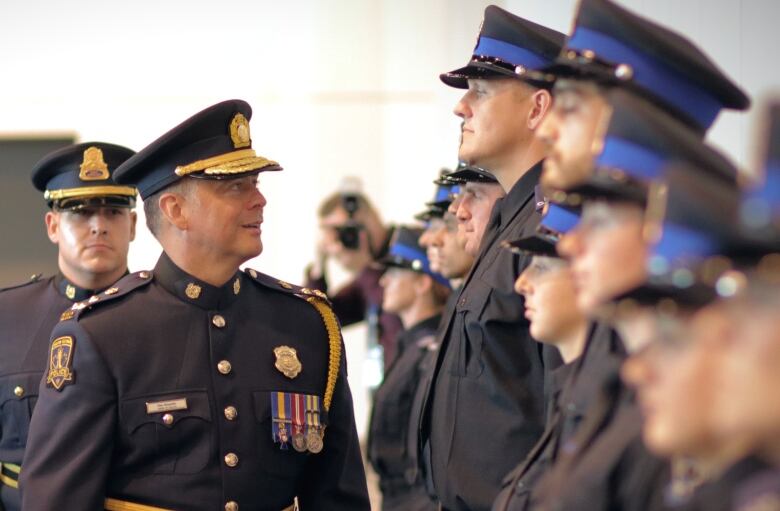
x=196, y=385
x=92, y=223
x=591, y=352
x=417, y=294
x=708, y=390
x=485, y=408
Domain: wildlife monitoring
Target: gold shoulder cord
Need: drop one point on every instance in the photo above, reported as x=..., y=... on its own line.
x=334, y=340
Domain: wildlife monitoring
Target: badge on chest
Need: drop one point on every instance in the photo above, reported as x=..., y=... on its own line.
x=297, y=420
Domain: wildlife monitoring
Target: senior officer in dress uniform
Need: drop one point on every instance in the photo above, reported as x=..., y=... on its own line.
x=196, y=385
x=92, y=223
x=485, y=408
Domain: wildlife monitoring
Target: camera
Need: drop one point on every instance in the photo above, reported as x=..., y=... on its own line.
x=349, y=233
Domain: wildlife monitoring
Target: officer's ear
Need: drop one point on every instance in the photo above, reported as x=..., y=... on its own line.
x=52, y=220
x=171, y=206
x=423, y=284
x=133, y=221
x=541, y=100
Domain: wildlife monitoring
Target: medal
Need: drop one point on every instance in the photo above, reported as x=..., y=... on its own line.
x=299, y=439
x=280, y=417
x=314, y=440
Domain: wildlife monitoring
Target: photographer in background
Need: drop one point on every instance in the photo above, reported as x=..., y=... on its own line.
x=354, y=237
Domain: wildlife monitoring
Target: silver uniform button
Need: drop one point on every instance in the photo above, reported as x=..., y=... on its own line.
x=231, y=459
x=218, y=321
x=231, y=413
x=231, y=506
x=167, y=419
x=224, y=367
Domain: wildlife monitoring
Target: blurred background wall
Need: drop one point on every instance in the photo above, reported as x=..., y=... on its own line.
x=338, y=87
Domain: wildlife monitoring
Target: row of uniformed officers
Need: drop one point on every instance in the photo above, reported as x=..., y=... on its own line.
x=611, y=340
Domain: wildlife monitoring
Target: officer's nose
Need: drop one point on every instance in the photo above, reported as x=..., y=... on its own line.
x=522, y=284
x=453, y=207
x=98, y=223
x=462, y=108
x=636, y=370
x=258, y=200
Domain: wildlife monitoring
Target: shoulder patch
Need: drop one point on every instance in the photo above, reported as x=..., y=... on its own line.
x=36, y=277
x=60, y=371
x=122, y=287
x=285, y=287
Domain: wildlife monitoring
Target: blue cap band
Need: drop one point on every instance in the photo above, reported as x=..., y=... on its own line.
x=442, y=194
x=559, y=219
x=679, y=243
x=509, y=53
x=411, y=254
x=634, y=159
x=657, y=77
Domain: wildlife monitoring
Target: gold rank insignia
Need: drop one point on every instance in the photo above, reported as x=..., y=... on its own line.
x=60, y=361
x=70, y=291
x=68, y=314
x=237, y=286
x=287, y=361
x=93, y=167
x=192, y=291
x=239, y=131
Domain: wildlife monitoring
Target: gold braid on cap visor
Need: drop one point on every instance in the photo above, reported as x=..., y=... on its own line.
x=89, y=191
x=234, y=162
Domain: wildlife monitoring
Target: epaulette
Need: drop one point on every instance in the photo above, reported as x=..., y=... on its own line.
x=281, y=285
x=320, y=302
x=123, y=286
x=36, y=277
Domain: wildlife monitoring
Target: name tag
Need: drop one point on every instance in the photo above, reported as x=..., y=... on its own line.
x=166, y=406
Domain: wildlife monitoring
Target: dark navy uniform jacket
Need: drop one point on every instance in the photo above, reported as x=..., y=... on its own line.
x=403, y=487
x=167, y=341
x=576, y=386
x=28, y=313
x=605, y=465
x=485, y=410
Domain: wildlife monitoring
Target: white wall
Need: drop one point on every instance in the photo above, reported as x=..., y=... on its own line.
x=339, y=87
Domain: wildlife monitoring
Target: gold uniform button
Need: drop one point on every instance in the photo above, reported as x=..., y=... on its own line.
x=218, y=321
x=231, y=506
x=144, y=275
x=18, y=391
x=231, y=459
x=167, y=419
x=231, y=413
x=224, y=367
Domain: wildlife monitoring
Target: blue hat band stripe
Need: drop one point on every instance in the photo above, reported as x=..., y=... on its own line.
x=442, y=194
x=634, y=159
x=655, y=76
x=680, y=243
x=411, y=254
x=509, y=52
x=769, y=191
x=454, y=190
x=559, y=219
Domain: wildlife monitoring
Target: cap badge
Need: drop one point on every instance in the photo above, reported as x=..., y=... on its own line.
x=239, y=131
x=192, y=291
x=287, y=361
x=93, y=167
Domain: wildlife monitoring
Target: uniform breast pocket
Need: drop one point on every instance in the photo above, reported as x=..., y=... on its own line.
x=473, y=308
x=282, y=463
x=18, y=394
x=169, y=433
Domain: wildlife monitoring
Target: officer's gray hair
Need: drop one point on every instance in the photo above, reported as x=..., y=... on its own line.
x=152, y=204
